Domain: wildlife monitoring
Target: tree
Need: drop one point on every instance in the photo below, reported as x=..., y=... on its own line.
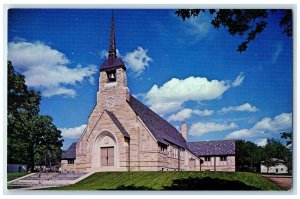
x=23, y=104
x=29, y=134
x=289, y=142
x=248, y=156
x=44, y=139
x=243, y=22
x=288, y=137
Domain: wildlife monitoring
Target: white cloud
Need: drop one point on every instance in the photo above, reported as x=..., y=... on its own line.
x=59, y=91
x=243, y=133
x=282, y=121
x=163, y=107
x=104, y=54
x=181, y=115
x=264, y=126
x=74, y=132
x=205, y=112
x=261, y=142
x=200, y=128
x=197, y=28
x=172, y=94
x=25, y=54
x=137, y=60
x=244, y=107
x=239, y=80
x=187, y=113
x=45, y=68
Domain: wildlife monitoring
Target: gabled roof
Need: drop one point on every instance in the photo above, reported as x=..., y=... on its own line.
x=70, y=153
x=210, y=148
x=163, y=131
x=118, y=124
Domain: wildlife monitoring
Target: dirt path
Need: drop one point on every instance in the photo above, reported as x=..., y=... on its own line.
x=283, y=181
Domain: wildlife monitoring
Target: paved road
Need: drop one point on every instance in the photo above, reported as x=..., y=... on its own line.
x=283, y=181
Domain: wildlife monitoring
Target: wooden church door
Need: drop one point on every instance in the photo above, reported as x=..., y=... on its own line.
x=107, y=156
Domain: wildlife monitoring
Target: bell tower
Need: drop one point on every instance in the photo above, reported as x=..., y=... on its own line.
x=113, y=90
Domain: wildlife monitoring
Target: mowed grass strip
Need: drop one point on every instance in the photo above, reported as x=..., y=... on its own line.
x=171, y=180
x=12, y=176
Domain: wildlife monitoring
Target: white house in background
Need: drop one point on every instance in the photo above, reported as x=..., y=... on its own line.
x=281, y=168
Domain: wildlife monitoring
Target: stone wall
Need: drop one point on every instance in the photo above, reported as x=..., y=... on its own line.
x=173, y=158
x=191, y=162
x=65, y=167
x=228, y=165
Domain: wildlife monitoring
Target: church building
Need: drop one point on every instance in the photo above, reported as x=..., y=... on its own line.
x=123, y=134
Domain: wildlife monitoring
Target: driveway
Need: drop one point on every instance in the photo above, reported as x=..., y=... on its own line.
x=283, y=181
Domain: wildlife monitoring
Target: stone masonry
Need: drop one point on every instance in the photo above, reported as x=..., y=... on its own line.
x=122, y=134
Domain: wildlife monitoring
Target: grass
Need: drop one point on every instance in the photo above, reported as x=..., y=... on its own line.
x=184, y=180
x=12, y=176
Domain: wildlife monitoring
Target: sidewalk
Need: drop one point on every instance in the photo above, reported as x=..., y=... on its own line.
x=44, y=180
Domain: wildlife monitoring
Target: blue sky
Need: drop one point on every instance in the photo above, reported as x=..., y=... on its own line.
x=185, y=71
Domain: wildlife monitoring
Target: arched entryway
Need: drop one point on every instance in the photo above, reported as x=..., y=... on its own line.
x=105, y=150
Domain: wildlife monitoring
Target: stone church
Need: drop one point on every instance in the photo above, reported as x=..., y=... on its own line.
x=125, y=135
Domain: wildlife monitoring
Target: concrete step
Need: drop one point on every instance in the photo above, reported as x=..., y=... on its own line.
x=39, y=180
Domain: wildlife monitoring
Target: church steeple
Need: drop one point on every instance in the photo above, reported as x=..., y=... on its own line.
x=113, y=88
x=112, y=44
x=113, y=62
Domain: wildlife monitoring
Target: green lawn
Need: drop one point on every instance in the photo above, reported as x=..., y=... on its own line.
x=12, y=176
x=173, y=181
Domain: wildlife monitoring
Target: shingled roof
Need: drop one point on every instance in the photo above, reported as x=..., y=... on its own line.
x=163, y=131
x=112, y=64
x=118, y=123
x=210, y=148
x=70, y=153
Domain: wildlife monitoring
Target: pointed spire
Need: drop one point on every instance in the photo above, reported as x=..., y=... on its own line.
x=112, y=62
x=112, y=43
